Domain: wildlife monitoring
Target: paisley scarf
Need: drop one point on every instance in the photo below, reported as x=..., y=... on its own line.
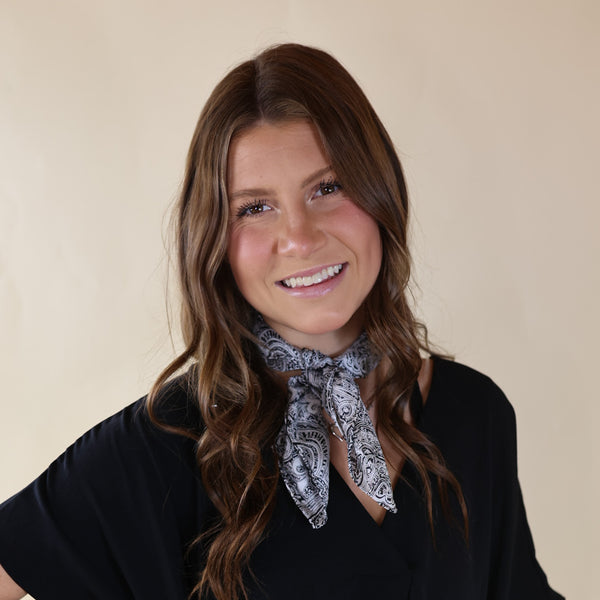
x=327, y=385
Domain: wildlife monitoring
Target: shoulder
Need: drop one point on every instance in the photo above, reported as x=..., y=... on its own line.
x=175, y=405
x=130, y=440
x=465, y=406
x=456, y=375
x=125, y=461
x=457, y=387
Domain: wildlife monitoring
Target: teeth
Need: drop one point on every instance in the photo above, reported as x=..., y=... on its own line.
x=326, y=273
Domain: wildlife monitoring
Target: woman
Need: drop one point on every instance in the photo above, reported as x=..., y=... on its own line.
x=308, y=451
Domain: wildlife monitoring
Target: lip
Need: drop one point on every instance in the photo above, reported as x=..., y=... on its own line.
x=317, y=289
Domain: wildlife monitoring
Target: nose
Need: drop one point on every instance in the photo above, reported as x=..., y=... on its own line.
x=300, y=234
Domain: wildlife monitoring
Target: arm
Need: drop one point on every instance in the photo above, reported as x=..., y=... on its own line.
x=9, y=590
x=516, y=571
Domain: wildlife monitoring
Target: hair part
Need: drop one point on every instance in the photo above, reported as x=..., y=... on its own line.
x=241, y=402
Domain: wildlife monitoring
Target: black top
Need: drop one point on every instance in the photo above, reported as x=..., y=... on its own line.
x=112, y=517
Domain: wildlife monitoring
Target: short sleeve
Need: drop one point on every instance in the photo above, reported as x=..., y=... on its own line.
x=106, y=519
x=515, y=573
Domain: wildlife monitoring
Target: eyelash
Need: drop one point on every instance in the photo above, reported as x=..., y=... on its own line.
x=331, y=182
x=244, y=209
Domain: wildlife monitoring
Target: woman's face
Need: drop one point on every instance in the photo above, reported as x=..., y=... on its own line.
x=301, y=252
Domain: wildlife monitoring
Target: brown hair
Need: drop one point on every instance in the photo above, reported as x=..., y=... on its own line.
x=240, y=401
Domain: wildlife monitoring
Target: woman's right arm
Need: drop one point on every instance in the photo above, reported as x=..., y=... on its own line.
x=9, y=590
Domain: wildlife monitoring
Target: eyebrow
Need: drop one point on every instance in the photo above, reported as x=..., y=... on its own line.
x=253, y=192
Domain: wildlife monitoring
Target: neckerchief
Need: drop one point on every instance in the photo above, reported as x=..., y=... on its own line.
x=303, y=441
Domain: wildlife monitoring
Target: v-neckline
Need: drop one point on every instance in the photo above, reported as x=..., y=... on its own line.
x=333, y=472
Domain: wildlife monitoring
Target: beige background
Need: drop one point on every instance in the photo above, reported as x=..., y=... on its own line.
x=494, y=109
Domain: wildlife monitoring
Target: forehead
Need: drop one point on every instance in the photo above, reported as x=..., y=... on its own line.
x=274, y=149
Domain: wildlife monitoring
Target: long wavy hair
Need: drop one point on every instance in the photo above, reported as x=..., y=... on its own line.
x=241, y=402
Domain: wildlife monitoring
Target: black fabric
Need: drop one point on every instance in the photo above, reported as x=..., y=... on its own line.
x=113, y=517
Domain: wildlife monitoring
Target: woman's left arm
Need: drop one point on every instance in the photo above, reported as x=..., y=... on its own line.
x=515, y=571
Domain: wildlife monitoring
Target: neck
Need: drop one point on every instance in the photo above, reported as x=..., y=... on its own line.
x=330, y=343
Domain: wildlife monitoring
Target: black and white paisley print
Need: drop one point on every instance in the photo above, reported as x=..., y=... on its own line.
x=303, y=441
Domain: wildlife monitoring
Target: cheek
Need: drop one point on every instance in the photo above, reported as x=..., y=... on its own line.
x=248, y=252
x=363, y=232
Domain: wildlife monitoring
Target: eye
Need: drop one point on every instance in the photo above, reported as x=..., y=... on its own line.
x=328, y=187
x=252, y=209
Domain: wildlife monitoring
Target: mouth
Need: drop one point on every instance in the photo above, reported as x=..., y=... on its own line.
x=314, y=279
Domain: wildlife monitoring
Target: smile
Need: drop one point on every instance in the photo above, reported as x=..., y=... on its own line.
x=308, y=281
